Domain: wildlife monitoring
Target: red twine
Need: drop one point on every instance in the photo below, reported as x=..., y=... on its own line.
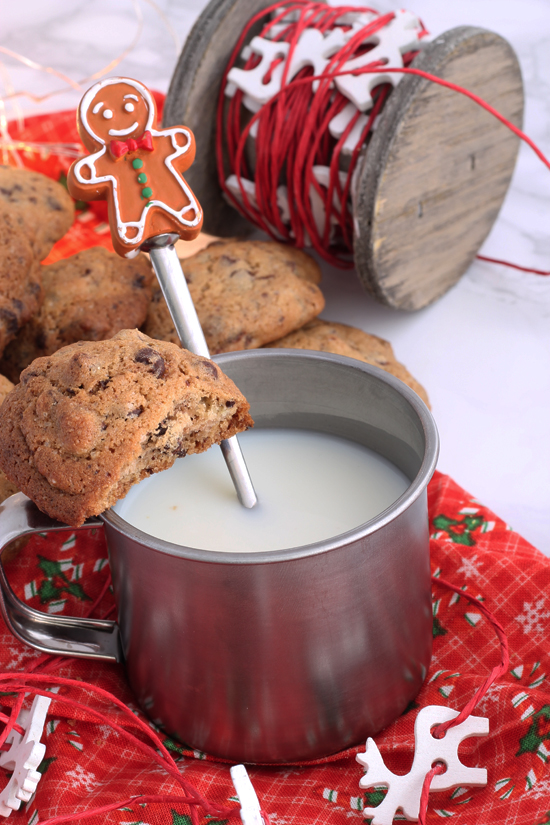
x=496, y=672
x=292, y=134
x=34, y=682
x=512, y=266
x=24, y=683
x=440, y=730
x=436, y=769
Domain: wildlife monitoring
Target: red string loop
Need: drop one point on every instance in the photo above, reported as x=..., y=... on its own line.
x=498, y=671
x=440, y=730
x=436, y=769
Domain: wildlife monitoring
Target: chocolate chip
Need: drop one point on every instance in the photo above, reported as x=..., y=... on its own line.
x=226, y=259
x=180, y=450
x=211, y=368
x=161, y=429
x=148, y=356
x=99, y=386
x=238, y=272
x=54, y=204
x=135, y=413
x=138, y=282
x=10, y=320
x=229, y=403
x=234, y=338
x=28, y=375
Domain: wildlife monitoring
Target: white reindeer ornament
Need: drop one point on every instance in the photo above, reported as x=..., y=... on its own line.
x=404, y=791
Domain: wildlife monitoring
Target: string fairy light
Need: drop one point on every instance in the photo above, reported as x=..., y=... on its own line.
x=10, y=147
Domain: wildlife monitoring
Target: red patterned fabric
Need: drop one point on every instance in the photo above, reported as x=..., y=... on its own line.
x=87, y=764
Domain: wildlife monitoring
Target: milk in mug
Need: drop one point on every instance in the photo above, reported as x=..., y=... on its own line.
x=311, y=486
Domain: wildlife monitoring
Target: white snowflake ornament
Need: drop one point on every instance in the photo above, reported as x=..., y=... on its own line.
x=405, y=791
x=24, y=756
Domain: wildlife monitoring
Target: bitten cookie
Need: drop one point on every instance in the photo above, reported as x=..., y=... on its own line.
x=342, y=339
x=87, y=297
x=88, y=422
x=40, y=205
x=20, y=282
x=246, y=294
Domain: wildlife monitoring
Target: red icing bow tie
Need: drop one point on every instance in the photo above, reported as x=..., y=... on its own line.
x=119, y=148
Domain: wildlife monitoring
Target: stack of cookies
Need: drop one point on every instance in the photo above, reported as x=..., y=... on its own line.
x=90, y=296
x=69, y=331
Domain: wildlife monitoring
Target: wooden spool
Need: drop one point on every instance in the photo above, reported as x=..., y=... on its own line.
x=436, y=171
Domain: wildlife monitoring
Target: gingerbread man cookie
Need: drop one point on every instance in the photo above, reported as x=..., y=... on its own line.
x=135, y=166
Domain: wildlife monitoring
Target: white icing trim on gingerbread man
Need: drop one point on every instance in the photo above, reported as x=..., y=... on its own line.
x=90, y=160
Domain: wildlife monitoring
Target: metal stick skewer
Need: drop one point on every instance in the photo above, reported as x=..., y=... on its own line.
x=184, y=315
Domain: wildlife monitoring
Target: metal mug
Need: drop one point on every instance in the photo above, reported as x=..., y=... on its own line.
x=271, y=656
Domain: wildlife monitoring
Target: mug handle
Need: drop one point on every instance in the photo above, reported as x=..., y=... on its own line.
x=59, y=635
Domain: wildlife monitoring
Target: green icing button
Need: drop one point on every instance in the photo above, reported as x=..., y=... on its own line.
x=137, y=163
x=147, y=192
x=142, y=178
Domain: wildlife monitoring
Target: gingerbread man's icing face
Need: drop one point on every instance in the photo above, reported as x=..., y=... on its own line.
x=116, y=112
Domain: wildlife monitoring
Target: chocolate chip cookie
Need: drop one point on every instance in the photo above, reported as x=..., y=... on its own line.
x=342, y=339
x=88, y=422
x=246, y=294
x=39, y=205
x=20, y=281
x=88, y=297
x=7, y=488
x=288, y=258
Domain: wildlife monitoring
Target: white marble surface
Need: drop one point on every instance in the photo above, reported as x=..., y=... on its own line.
x=483, y=350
